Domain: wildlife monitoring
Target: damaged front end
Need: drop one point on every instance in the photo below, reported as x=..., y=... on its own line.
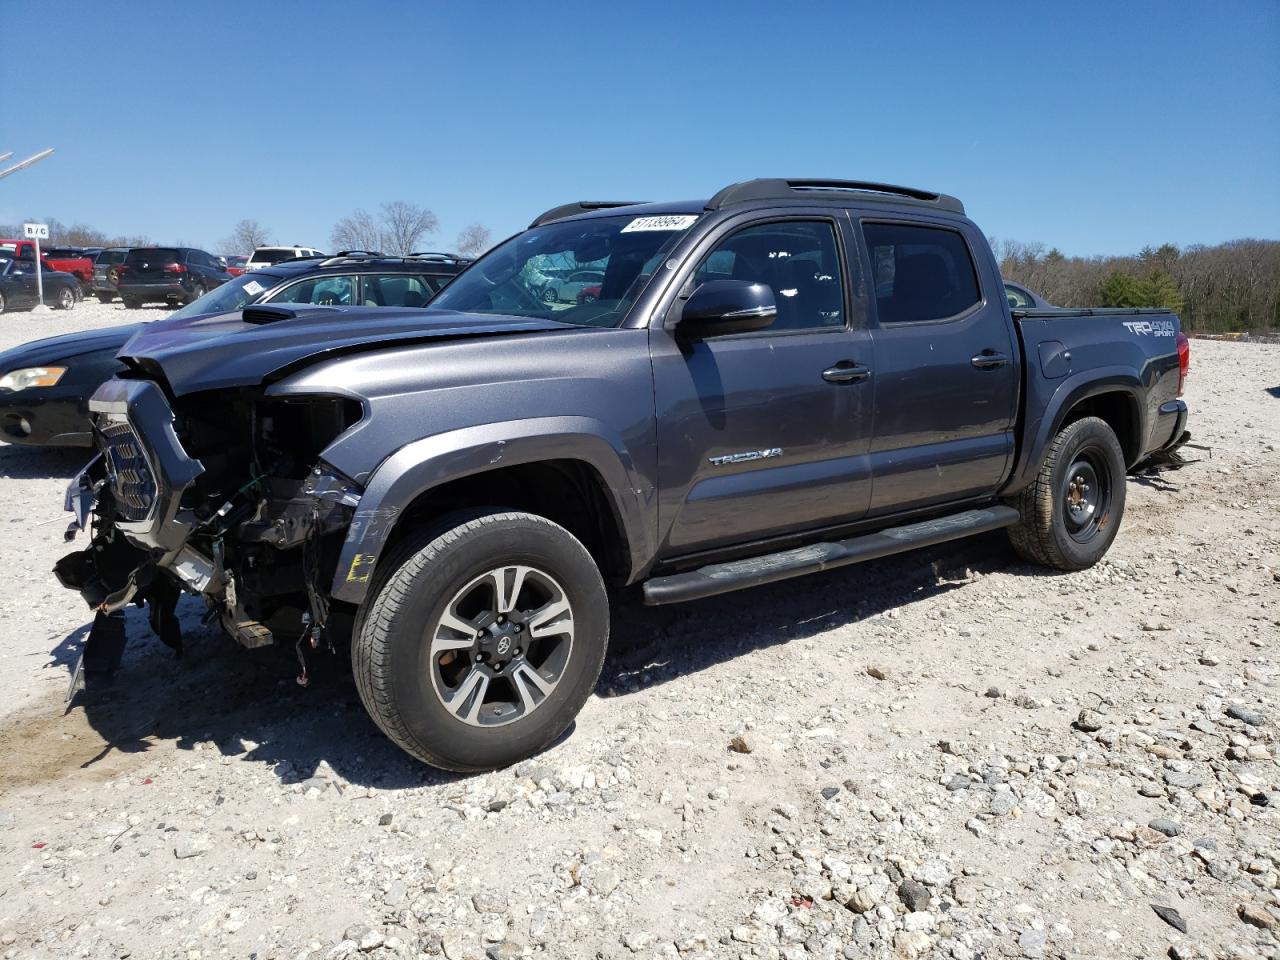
x=223, y=494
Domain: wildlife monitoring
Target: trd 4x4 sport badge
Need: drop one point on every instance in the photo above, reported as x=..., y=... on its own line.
x=745, y=456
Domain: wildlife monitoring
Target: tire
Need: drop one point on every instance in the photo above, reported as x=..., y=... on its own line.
x=406, y=672
x=131, y=304
x=549, y=295
x=1071, y=512
x=197, y=293
x=64, y=299
x=106, y=297
x=1, y=303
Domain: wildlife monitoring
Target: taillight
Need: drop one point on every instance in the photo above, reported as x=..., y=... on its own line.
x=175, y=268
x=1184, y=361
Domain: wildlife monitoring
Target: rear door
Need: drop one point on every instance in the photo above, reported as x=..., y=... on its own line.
x=765, y=433
x=946, y=373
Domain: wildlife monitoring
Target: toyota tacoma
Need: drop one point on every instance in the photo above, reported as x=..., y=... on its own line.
x=791, y=376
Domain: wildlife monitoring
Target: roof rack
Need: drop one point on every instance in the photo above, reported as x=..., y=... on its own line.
x=777, y=189
x=435, y=255
x=582, y=206
x=364, y=256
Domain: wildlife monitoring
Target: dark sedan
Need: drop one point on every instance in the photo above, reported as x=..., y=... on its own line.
x=19, y=290
x=45, y=386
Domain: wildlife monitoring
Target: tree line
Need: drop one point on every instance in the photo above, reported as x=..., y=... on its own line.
x=398, y=229
x=1233, y=286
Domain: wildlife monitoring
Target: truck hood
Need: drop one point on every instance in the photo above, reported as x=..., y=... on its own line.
x=222, y=350
x=47, y=352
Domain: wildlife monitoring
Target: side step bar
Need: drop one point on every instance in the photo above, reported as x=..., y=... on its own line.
x=754, y=571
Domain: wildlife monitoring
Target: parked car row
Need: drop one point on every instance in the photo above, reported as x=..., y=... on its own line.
x=191, y=272
x=45, y=385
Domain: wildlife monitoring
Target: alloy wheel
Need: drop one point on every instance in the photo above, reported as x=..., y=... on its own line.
x=501, y=645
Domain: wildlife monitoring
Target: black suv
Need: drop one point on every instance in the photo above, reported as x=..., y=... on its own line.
x=168, y=275
x=53, y=411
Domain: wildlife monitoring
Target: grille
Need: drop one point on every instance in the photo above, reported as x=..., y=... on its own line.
x=132, y=483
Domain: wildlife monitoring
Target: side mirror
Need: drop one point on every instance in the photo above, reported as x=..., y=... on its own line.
x=728, y=306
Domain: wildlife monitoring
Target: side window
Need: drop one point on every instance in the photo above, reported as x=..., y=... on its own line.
x=324, y=291
x=395, y=290
x=920, y=273
x=1016, y=297
x=799, y=259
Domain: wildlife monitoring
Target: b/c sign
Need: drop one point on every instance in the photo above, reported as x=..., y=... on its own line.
x=35, y=231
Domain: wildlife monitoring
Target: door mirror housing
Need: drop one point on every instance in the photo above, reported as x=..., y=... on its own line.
x=719, y=307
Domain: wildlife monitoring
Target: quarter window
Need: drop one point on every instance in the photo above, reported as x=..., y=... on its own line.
x=798, y=259
x=920, y=273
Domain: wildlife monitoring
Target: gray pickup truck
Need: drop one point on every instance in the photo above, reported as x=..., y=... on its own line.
x=788, y=377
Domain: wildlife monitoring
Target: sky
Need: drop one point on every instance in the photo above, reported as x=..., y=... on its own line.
x=1094, y=127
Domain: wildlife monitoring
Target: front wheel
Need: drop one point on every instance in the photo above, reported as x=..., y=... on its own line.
x=131, y=304
x=65, y=299
x=1071, y=513
x=482, y=639
x=106, y=297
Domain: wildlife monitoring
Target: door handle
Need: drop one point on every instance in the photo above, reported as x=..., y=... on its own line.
x=989, y=360
x=846, y=371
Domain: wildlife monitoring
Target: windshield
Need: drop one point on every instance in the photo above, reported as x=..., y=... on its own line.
x=8, y=248
x=236, y=294
x=273, y=254
x=541, y=273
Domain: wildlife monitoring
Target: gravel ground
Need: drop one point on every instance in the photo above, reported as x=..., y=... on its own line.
x=949, y=754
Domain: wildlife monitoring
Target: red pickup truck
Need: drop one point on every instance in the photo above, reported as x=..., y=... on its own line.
x=81, y=267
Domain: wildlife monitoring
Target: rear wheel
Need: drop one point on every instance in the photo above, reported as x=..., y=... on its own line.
x=197, y=293
x=131, y=304
x=482, y=639
x=1071, y=513
x=106, y=297
x=1, y=303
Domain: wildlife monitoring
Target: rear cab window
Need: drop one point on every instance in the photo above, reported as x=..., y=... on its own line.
x=920, y=273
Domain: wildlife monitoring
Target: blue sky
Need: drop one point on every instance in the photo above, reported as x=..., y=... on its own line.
x=1098, y=127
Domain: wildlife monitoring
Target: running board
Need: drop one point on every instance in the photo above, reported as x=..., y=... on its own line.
x=754, y=571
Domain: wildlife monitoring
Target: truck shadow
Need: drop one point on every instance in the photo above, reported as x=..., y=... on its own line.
x=247, y=704
x=41, y=463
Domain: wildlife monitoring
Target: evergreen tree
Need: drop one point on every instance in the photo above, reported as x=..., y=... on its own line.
x=1119, y=289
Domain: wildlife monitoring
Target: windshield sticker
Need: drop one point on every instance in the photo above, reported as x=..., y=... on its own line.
x=253, y=287
x=678, y=221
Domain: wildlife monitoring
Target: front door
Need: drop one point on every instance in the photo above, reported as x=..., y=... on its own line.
x=765, y=433
x=946, y=369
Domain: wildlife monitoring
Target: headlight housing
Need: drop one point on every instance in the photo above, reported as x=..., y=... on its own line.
x=28, y=377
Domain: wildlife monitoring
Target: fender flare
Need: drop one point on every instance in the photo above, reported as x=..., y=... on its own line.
x=1072, y=390
x=431, y=461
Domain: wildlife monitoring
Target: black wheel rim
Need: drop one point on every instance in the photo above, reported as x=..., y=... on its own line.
x=501, y=645
x=1086, y=494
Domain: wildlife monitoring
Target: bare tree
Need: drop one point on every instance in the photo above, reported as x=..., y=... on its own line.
x=404, y=225
x=246, y=236
x=358, y=231
x=473, y=240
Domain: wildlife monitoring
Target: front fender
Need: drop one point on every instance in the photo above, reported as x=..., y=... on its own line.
x=427, y=463
x=1038, y=433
